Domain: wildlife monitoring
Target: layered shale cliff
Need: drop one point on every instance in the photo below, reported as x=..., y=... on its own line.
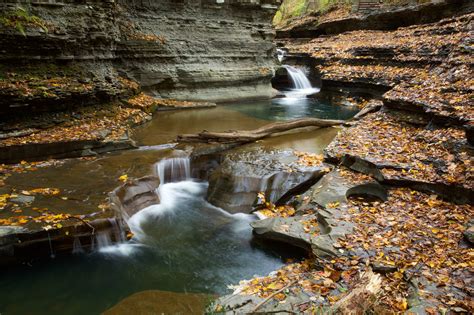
x=58, y=53
x=70, y=70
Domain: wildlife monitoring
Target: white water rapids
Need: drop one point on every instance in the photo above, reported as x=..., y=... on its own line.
x=182, y=216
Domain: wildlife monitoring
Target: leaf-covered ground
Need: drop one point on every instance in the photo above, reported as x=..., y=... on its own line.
x=429, y=65
x=413, y=240
x=406, y=151
x=109, y=122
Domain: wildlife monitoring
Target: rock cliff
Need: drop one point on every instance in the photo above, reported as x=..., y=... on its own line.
x=55, y=54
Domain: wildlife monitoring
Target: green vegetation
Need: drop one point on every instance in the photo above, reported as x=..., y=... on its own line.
x=294, y=8
x=20, y=18
x=291, y=9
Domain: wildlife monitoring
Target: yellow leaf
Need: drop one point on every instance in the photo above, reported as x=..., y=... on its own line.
x=404, y=305
x=123, y=178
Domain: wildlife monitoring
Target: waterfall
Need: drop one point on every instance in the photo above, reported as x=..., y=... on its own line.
x=109, y=241
x=281, y=54
x=103, y=240
x=299, y=79
x=302, y=86
x=174, y=169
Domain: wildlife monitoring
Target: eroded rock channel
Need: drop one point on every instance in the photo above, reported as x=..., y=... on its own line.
x=349, y=191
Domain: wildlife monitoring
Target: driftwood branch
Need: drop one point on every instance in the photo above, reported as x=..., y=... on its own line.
x=360, y=298
x=372, y=107
x=273, y=295
x=84, y=222
x=244, y=136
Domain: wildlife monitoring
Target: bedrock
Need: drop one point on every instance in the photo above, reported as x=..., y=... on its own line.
x=188, y=49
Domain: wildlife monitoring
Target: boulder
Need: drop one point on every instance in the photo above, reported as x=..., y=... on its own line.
x=135, y=195
x=234, y=185
x=161, y=302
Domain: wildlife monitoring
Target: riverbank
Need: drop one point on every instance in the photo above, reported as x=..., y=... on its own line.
x=390, y=231
x=83, y=131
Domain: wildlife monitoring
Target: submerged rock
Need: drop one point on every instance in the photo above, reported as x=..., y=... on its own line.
x=161, y=302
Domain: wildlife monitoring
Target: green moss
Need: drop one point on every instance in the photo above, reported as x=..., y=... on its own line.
x=291, y=9
x=20, y=19
x=277, y=19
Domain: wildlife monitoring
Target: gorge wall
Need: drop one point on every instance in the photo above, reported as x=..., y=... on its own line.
x=61, y=53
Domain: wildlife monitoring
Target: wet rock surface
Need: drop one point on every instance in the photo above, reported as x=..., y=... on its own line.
x=234, y=185
x=135, y=195
x=170, y=303
x=74, y=235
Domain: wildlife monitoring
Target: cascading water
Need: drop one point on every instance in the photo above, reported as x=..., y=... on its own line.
x=281, y=54
x=177, y=192
x=298, y=78
x=302, y=85
x=183, y=216
x=174, y=170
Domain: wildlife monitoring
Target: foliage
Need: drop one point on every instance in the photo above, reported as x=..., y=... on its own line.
x=291, y=9
x=412, y=234
x=102, y=122
x=20, y=19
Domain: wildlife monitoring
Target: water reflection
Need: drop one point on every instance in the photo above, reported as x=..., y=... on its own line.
x=292, y=108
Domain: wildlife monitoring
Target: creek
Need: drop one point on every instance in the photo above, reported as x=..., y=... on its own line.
x=184, y=244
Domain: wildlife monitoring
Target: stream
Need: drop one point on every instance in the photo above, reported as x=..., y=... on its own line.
x=184, y=244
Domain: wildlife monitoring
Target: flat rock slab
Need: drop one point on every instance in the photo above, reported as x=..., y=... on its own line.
x=340, y=184
x=287, y=230
x=234, y=185
x=397, y=152
x=20, y=245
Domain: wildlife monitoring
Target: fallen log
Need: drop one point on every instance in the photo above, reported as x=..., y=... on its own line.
x=244, y=136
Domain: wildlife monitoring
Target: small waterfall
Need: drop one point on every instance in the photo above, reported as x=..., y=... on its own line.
x=103, y=240
x=281, y=54
x=109, y=240
x=302, y=86
x=299, y=79
x=174, y=170
x=77, y=246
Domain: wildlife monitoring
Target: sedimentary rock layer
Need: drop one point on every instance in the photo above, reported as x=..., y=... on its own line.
x=182, y=49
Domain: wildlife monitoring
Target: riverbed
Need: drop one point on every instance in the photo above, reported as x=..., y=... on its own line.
x=182, y=245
